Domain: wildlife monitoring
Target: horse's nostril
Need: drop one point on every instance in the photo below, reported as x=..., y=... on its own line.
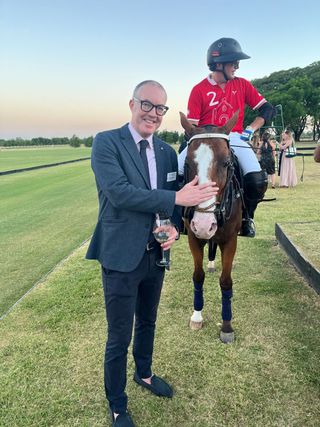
x=193, y=225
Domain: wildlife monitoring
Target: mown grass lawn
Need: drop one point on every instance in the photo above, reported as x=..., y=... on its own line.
x=44, y=215
x=305, y=236
x=26, y=157
x=52, y=344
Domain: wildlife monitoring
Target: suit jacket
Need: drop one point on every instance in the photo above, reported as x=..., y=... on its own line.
x=126, y=202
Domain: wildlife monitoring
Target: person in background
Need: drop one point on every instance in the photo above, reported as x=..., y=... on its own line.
x=287, y=168
x=215, y=100
x=267, y=156
x=136, y=177
x=255, y=142
x=316, y=154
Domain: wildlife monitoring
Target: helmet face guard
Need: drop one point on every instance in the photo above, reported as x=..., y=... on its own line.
x=223, y=51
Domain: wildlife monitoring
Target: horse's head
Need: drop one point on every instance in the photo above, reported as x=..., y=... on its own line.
x=208, y=156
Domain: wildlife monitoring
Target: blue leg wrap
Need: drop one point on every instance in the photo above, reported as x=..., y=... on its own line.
x=198, y=296
x=226, y=304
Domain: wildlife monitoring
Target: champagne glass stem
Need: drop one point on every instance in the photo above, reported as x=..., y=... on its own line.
x=164, y=259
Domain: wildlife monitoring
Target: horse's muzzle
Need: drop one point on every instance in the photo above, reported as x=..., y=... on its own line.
x=204, y=225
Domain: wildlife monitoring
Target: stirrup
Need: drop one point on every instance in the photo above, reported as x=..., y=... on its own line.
x=248, y=228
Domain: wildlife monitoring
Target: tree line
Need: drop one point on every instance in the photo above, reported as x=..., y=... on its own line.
x=297, y=90
x=74, y=141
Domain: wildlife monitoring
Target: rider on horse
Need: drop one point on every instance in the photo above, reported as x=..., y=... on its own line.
x=214, y=101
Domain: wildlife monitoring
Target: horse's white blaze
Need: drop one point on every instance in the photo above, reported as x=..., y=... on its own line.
x=197, y=316
x=203, y=156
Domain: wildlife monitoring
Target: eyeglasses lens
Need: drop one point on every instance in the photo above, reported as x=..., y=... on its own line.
x=148, y=106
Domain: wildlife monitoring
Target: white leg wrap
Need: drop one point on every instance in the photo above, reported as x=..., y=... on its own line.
x=197, y=316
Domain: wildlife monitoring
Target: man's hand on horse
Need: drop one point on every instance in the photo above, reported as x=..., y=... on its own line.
x=192, y=194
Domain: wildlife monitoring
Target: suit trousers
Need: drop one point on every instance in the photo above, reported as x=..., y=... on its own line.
x=130, y=298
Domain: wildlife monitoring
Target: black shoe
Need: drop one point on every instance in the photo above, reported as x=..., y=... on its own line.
x=122, y=420
x=248, y=228
x=158, y=386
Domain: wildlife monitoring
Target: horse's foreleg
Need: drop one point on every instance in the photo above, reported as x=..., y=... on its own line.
x=196, y=247
x=228, y=251
x=196, y=320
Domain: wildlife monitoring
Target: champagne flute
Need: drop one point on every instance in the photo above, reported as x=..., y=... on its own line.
x=161, y=232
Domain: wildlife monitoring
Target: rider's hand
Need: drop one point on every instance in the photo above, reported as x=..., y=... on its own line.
x=247, y=134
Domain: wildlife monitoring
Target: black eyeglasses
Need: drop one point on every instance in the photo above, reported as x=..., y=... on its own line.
x=147, y=106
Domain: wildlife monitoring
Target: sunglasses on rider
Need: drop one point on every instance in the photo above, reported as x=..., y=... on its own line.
x=235, y=64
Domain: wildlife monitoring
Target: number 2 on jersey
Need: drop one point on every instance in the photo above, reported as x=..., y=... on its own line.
x=212, y=102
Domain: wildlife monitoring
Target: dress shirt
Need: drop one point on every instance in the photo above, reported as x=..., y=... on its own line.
x=150, y=154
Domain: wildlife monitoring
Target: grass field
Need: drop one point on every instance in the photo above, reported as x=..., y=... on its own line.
x=44, y=215
x=26, y=157
x=51, y=349
x=305, y=236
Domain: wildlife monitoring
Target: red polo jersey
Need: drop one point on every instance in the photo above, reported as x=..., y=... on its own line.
x=210, y=105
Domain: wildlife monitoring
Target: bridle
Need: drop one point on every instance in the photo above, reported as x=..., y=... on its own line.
x=219, y=207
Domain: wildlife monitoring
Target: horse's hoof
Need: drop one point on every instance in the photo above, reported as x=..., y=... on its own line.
x=227, y=337
x=195, y=326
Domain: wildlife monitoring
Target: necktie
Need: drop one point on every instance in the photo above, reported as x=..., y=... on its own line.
x=143, y=154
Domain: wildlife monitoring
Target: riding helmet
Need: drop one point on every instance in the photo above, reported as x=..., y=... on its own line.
x=224, y=50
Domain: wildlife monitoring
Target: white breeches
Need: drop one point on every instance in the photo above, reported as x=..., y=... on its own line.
x=246, y=156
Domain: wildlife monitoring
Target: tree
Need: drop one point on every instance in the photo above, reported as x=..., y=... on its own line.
x=88, y=141
x=74, y=141
x=297, y=90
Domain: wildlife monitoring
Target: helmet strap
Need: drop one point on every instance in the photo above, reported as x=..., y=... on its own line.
x=215, y=70
x=224, y=73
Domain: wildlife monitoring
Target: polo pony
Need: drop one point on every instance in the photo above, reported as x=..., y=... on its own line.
x=216, y=221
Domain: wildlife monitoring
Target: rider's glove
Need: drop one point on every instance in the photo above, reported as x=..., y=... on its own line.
x=247, y=134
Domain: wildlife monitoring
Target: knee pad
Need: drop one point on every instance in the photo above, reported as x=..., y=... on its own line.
x=255, y=185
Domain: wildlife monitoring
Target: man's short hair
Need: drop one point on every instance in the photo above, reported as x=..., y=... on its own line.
x=147, y=82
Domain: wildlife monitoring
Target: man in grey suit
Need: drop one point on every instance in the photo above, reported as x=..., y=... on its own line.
x=136, y=177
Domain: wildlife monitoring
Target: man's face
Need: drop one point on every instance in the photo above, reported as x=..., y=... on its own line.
x=146, y=123
x=230, y=68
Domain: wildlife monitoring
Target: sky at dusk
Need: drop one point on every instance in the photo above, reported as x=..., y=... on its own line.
x=70, y=66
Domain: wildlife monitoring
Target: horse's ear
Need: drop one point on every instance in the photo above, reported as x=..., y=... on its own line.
x=187, y=126
x=231, y=123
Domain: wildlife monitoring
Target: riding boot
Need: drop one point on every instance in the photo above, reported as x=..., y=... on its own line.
x=255, y=185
